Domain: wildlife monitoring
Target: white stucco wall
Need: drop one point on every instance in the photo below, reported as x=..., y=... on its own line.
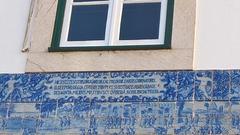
x=13, y=22
x=217, y=44
x=218, y=34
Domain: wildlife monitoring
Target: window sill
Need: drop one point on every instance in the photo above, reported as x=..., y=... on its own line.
x=108, y=48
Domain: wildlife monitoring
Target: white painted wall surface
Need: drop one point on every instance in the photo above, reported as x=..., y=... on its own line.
x=218, y=34
x=13, y=23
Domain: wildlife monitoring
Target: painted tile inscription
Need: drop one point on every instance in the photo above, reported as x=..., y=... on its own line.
x=169, y=102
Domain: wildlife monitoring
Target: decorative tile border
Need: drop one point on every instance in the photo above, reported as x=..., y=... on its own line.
x=163, y=102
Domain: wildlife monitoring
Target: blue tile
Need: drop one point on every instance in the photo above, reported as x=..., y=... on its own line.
x=211, y=108
x=204, y=130
x=235, y=117
x=221, y=84
x=235, y=124
x=235, y=108
x=223, y=108
x=99, y=110
x=203, y=86
x=4, y=109
x=132, y=110
x=23, y=87
x=235, y=86
x=77, y=75
x=184, y=109
x=14, y=124
x=128, y=131
x=115, y=110
x=200, y=121
x=65, y=109
x=23, y=110
x=113, y=120
x=81, y=110
x=153, y=117
x=220, y=124
x=185, y=86
x=129, y=121
x=148, y=120
x=29, y=132
x=105, y=125
x=47, y=108
x=149, y=108
x=145, y=131
x=212, y=117
x=63, y=123
x=167, y=109
x=162, y=121
x=184, y=125
x=82, y=128
x=6, y=87
x=213, y=124
x=167, y=85
x=131, y=74
x=184, y=118
x=47, y=125
x=2, y=124
x=201, y=109
x=79, y=86
x=110, y=131
x=29, y=123
x=98, y=125
x=39, y=83
x=130, y=118
x=164, y=125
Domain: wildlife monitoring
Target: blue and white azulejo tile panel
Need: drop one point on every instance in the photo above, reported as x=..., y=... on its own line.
x=124, y=103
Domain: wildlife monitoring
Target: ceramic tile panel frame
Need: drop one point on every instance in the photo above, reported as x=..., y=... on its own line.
x=120, y=102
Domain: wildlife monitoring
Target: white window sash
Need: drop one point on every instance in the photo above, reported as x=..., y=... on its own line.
x=112, y=32
x=66, y=26
x=162, y=25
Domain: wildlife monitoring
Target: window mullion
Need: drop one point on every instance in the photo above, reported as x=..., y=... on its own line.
x=115, y=21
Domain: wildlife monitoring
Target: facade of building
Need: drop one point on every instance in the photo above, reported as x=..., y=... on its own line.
x=131, y=74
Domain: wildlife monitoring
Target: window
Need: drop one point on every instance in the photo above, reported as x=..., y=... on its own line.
x=112, y=24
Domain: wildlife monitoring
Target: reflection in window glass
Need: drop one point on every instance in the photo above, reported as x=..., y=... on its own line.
x=88, y=23
x=140, y=21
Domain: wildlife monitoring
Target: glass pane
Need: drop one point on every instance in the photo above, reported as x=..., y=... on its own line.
x=88, y=23
x=140, y=21
x=87, y=0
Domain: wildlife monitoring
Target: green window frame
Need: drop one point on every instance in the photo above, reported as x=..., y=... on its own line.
x=59, y=22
